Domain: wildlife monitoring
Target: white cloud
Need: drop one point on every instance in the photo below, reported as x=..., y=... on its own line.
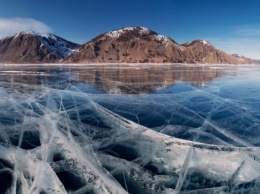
x=247, y=30
x=14, y=25
x=245, y=41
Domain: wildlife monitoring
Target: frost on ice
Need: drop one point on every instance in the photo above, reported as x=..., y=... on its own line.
x=59, y=136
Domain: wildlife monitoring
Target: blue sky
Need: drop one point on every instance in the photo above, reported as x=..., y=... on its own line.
x=230, y=25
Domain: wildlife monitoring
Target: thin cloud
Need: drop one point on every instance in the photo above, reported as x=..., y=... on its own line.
x=247, y=30
x=249, y=47
x=14, y=25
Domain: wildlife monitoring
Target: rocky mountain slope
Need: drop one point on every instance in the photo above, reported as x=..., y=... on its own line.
x=139, y=45
x=244, y=59
x=30, y=47
x=257, y=61
x=126, y=45
x=201, y=51
x=132, y=44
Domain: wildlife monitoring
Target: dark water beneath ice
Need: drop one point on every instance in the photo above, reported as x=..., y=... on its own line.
x=94, y=129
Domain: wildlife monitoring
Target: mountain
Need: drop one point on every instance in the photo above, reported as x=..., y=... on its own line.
x=201, y=51
x=256, y=61
x=30, y=47
x=126, y=45
x=243, y=58
x=139, y=45
x=130, y=44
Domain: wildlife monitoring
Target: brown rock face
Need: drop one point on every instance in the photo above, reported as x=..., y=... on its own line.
x=200, y=51
x=132, y=45
x=141, y=45
x=256, y=61
x=29, y=47
x=244, y=59
x=126, y=45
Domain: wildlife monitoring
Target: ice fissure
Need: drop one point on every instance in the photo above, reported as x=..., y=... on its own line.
x=57, y=138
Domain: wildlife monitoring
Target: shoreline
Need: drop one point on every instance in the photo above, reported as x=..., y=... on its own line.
x=125, y=64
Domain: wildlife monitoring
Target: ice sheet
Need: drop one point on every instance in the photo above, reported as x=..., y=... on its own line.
x=61, y=133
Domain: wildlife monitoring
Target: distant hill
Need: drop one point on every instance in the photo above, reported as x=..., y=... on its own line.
x=30, y=47
x=201, y=51
x=126, y=45
x=244, y=59
x=257, y=61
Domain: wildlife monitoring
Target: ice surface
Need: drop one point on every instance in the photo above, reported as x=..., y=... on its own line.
x=170, y=129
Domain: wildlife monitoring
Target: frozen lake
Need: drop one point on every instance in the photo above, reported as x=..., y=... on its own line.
x=129, y=129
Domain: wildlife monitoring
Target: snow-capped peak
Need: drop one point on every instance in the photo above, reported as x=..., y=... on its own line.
x=201, y=41
x=141, y=31
x=117, y=33
x=26, y=32
x=43, y=35
x=58, y=46
x=204, y=42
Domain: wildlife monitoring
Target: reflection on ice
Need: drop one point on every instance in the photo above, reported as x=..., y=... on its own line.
x=61, y=135
x=114, y=79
